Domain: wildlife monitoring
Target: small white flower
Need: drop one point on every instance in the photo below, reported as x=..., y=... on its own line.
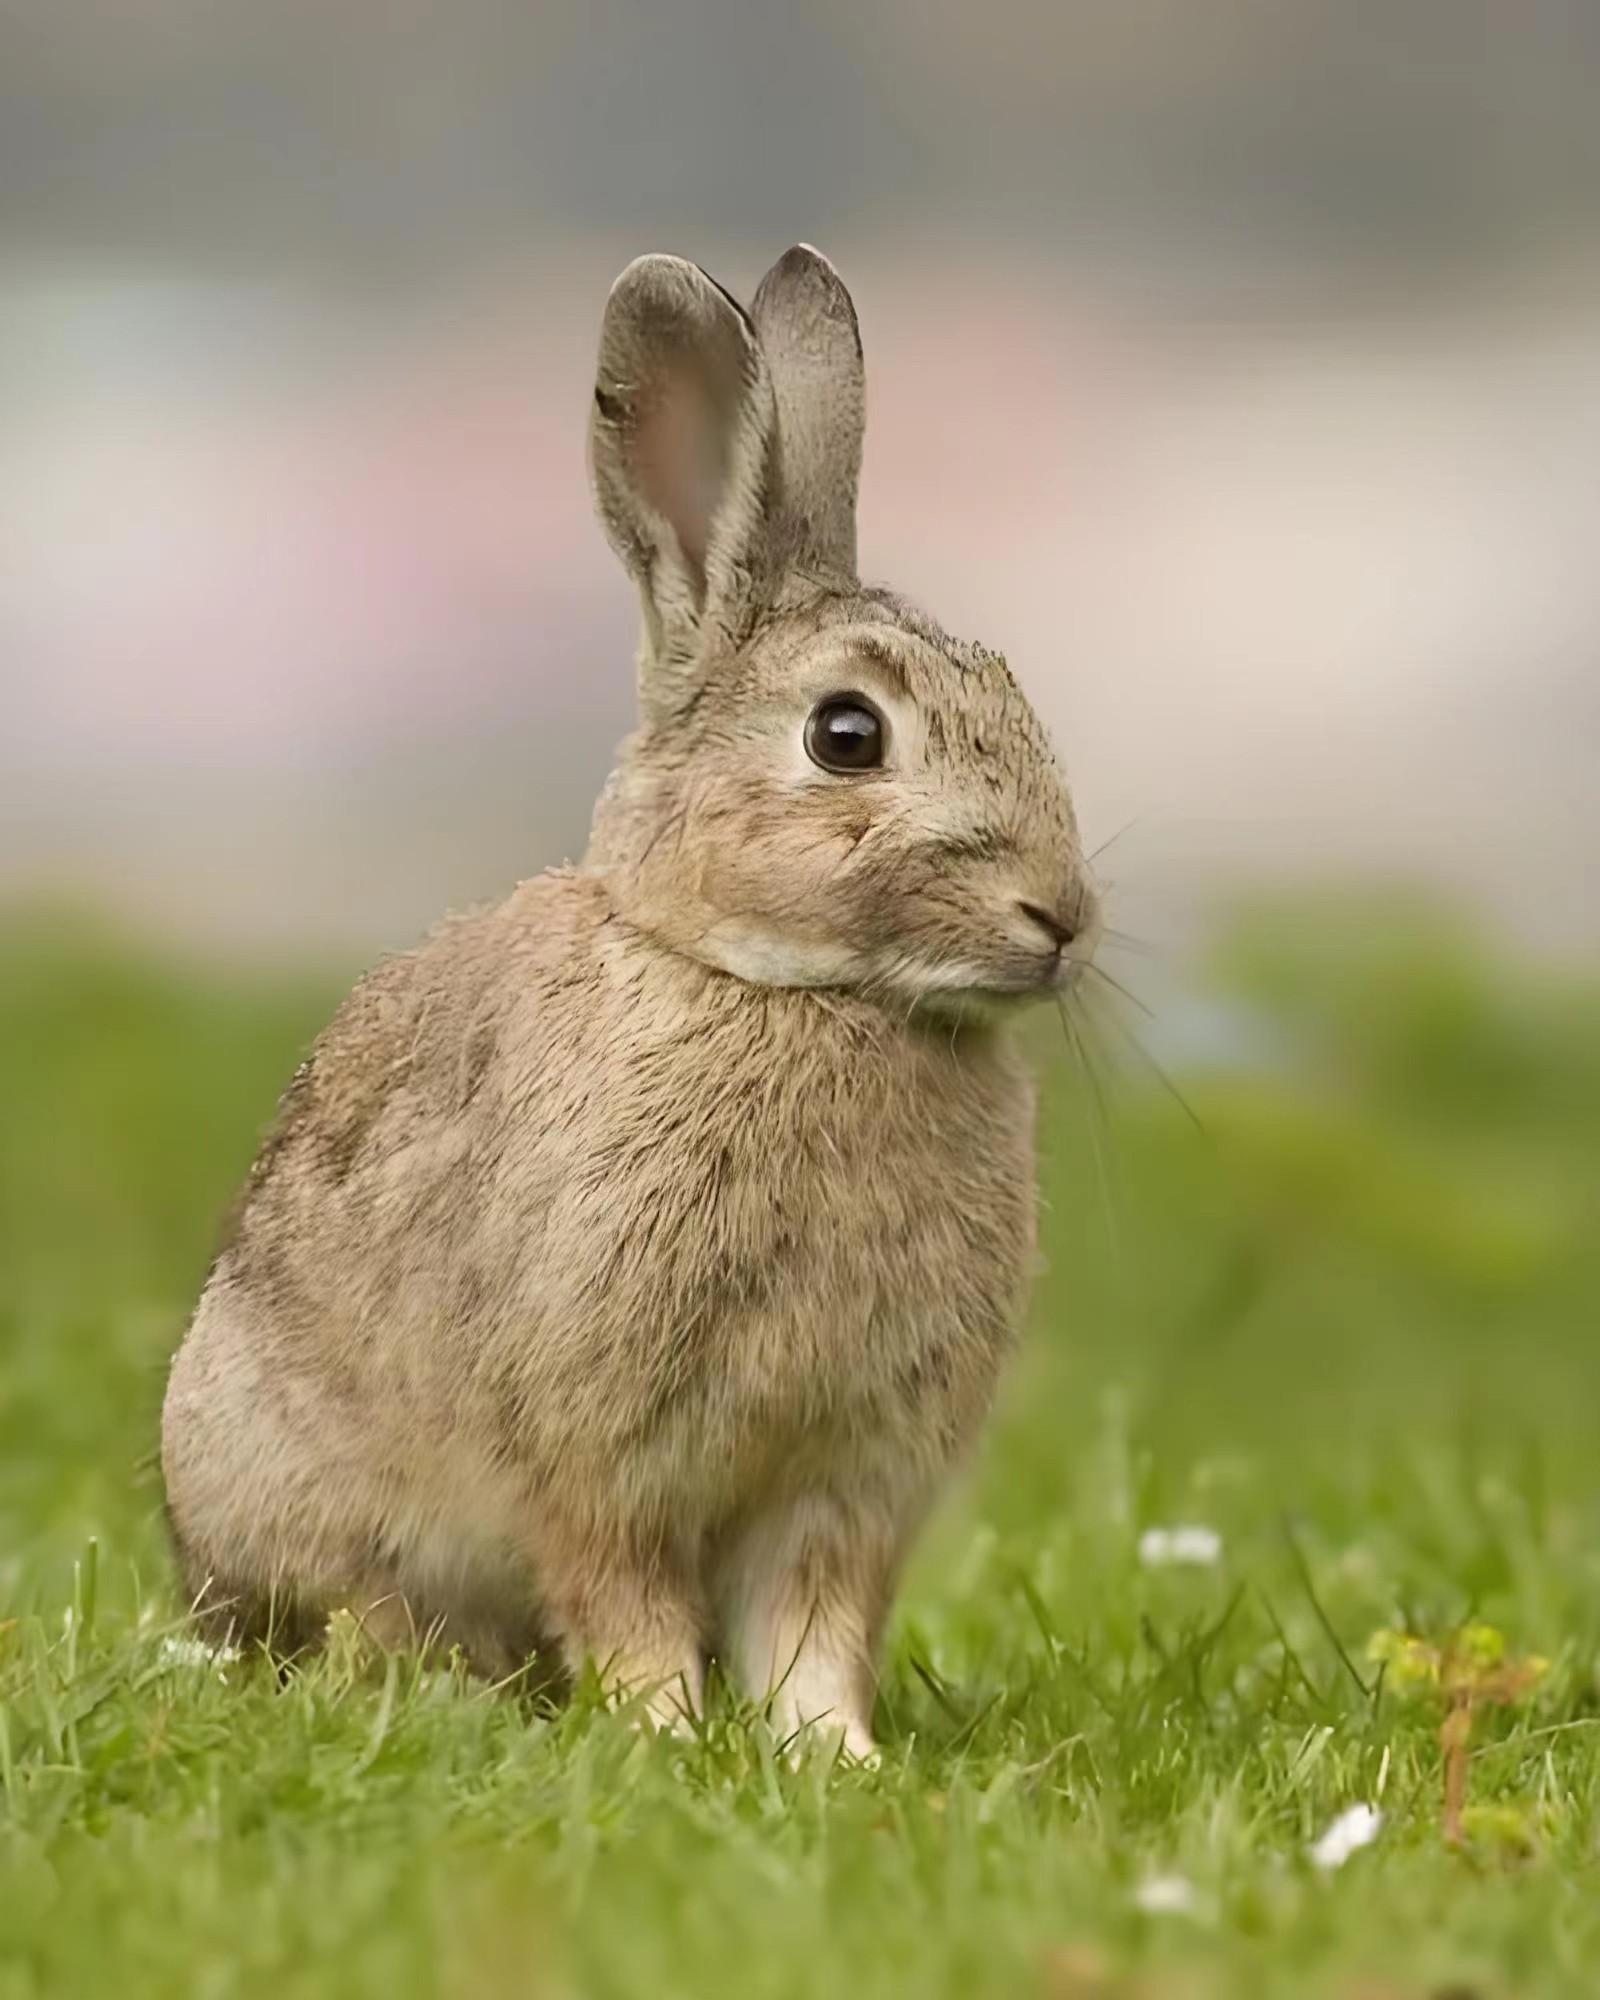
x=1169, y=1896
x=177, y=1652
x=1188, y=1546
x=1355, y=1828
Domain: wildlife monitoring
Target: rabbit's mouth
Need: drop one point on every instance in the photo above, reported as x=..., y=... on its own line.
x=1051, y=942
x=1031, y=949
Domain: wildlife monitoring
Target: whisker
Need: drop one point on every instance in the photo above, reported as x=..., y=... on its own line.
x=1097, y=1121
x=1160, y=1074
x=1092, y=1069
x=1127, y=992
x=1121, y=941
x=1126, y=827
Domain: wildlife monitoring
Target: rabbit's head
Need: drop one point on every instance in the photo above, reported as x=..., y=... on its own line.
x=825, y=789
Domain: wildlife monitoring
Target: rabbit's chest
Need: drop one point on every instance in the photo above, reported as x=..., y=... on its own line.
x=777, y=1256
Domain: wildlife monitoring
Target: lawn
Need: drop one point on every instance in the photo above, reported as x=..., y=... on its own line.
x=1351, y=1326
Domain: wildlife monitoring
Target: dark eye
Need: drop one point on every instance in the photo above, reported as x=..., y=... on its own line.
x=845, y=733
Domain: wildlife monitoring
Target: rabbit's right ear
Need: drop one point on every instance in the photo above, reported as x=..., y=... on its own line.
x=680, y=450
x=809, y=335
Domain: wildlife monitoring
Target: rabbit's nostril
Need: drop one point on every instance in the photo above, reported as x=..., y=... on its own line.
x=1060, y=929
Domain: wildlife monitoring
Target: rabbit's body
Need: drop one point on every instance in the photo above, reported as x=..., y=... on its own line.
x=630, y=1261
x=674, y=1252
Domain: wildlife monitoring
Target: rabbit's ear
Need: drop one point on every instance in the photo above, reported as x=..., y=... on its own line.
x=680, y=445
x=812, y=343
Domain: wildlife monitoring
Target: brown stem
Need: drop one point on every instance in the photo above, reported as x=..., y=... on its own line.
x=1453, y=1734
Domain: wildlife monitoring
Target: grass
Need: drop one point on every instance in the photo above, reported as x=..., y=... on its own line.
x=1353, y=1328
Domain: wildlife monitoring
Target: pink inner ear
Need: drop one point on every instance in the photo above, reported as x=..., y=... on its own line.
x=678, y=458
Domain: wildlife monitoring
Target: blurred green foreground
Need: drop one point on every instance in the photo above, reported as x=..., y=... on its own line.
x=1351, y=1325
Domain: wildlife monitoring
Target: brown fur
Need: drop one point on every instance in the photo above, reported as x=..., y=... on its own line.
x=631, y=1261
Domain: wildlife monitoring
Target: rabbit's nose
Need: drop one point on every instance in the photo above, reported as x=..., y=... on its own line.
x=1060, y=926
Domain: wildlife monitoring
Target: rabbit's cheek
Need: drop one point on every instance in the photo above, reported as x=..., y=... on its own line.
x=791, y=879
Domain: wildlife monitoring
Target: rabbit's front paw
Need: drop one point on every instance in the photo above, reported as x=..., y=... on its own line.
x=851, y=1742
x=671, y=1709
x=859, y=1747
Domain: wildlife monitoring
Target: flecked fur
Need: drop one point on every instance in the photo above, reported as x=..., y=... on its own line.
x=631, y=1262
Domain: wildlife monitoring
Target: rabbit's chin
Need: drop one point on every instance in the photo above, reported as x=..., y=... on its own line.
x=977, y=1003
x=943, y=989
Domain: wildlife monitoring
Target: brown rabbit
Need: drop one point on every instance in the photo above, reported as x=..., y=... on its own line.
x=631, y=1261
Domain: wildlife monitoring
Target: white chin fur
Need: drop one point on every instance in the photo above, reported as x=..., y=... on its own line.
x=765, y=959
x=928, y=981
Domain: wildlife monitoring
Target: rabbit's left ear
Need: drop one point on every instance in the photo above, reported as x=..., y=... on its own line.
x=681, y=443
x=812, y=342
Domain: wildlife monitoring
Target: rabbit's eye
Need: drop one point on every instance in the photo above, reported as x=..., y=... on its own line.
x=845, y=733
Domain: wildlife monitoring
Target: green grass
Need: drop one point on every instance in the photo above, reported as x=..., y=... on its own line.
x=1355, y=1328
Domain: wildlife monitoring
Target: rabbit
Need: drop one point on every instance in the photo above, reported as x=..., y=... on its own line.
x=632, y=1262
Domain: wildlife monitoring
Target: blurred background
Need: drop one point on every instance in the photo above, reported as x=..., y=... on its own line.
x=1233, y=367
